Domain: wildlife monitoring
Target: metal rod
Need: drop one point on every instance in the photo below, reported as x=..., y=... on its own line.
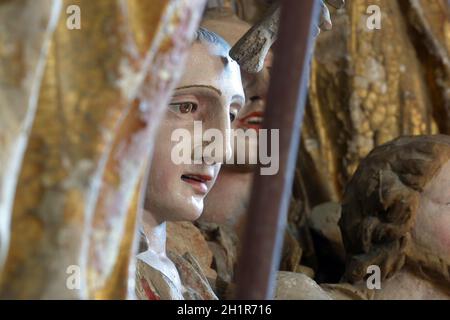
x=267, y=216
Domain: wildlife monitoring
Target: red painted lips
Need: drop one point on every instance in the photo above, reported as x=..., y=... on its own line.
x=197, y=181
x=253, y=120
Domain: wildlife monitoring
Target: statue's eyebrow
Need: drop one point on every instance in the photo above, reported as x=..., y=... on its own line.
x=201, y=86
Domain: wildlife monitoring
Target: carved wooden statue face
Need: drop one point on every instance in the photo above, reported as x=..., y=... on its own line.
x=397, y=206
x=210, y=91
x=432, y=227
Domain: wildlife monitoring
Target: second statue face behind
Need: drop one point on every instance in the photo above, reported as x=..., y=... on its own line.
x=396, y=210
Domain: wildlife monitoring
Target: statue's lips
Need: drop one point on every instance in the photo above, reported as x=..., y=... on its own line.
x=197, y=181
x=253, y=120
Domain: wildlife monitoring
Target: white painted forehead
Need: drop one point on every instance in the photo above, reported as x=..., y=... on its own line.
x=221, y=48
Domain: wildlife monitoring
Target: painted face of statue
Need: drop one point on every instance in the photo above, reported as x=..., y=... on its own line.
x=432, y=227
x=210, y=91
x=251, y=116
x=256, y=87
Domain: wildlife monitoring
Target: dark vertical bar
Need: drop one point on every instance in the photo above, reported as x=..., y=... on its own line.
x=267, y=214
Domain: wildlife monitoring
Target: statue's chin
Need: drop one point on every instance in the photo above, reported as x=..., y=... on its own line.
x=188, y=210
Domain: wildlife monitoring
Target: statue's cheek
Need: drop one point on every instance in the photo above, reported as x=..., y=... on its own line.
x=438, y=220
x=443, y=230
x=432, y=227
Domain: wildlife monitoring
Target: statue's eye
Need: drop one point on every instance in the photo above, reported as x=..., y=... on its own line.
x=184, y=107
x=232, y=116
